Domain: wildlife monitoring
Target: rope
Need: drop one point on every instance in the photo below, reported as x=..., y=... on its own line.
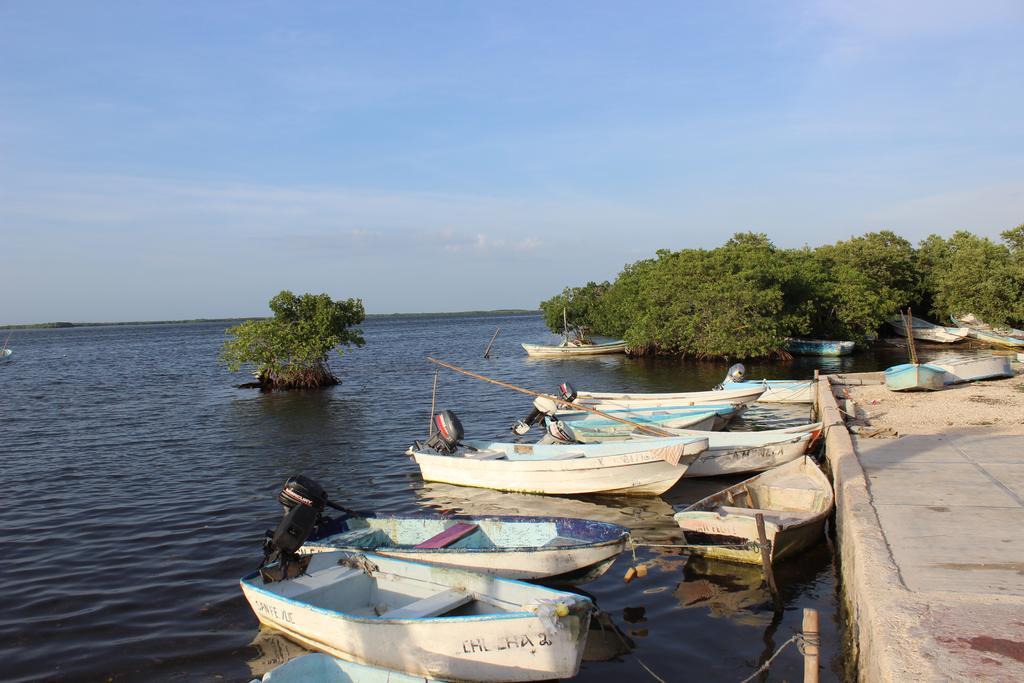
x=797, y=638
x=598, y=612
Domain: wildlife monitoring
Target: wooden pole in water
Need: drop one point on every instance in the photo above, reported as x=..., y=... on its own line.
x=433, y=397
x=652, y=431
x=812, y=645
x=487, y=351
x=766, y=559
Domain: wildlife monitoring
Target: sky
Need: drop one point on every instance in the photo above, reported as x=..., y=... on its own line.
x=174, y=160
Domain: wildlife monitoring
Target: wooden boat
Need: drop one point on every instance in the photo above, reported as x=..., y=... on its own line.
x=728, y=453
x=603, y=400
x=325, y=669
x=555, y=549
x=628, y=468
x=819, y=347
x=926, y=331
x=709, y=417
x=915, y=377
x=1004, y=336
x=973, y=367
x=425, y=620
x=779, y=390
x=795, y=500
x=571, y=349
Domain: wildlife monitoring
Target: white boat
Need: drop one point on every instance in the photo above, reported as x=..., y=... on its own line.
x=972, y=322
x=972, y=367
x=779, y=390
x=926, y=331
x=425, y=620
x=914, y=377
x=628, y=468
x=728, y=453
x=571, y=349
x=555, y=549
x=320, y=668
x=795, y=500
x=710, y=417
x=5, y=355
x=603, y=400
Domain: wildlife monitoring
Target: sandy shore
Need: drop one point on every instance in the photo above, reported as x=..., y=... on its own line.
x=996, y=403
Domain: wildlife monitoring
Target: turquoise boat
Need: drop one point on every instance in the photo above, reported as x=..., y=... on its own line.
x=819, y=347
x=711, y=417
x=325, y=669
x=915, y=377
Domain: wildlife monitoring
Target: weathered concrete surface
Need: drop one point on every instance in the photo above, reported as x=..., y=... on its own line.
x=931, y=531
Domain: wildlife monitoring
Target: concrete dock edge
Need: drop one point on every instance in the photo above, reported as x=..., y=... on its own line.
x=881, y=611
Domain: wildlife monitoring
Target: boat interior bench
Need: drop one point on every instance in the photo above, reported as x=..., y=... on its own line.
x=485, y=455
x=431, y=606
x=448, y=536
x=778, y=517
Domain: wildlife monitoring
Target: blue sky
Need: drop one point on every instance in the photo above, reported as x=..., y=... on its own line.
x=189, y=159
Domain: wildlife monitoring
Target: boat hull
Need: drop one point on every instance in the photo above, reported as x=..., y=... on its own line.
x=325, y=669
x=819, y=347
x=613, y=400
x=785, y=542
x=970, y=368
x=525, y=553
x=644, y=473
x=545, y=351
x=915, y=377
x=780, y=391
x=525, y=645
x=724, y=461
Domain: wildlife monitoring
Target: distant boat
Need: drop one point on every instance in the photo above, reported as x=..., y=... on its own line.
x=425, y=620
x=795, y=500
x=1005, y=337
x=553, y=549
x=326, y=669
x=926, y=331
x=819, y=347
x=915, y=377
x=571, y=349
x=5, y=355
x=973, y=367
x=627, y=467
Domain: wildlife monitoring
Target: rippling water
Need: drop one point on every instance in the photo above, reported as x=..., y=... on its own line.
x=143, y=481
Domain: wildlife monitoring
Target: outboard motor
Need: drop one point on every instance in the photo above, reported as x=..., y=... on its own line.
x=448, y=432
x=567, y=392
x=556, y=433
x=736, y=373
x=303, y=500
x=542, y=405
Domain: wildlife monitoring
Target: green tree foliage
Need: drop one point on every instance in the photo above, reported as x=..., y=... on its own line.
x=291, y=349
x=581, y=307
x=742, y=300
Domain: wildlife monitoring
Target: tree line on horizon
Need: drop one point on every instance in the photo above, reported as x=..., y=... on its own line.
x=744, y=298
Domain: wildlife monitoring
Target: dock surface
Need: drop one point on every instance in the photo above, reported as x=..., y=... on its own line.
x=932, y=540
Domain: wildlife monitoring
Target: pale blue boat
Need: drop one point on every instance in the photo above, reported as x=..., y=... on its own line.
x=915, y=377
x=819, y=347
x=779, y=390
x=5, y=355
x=325, y=669
x=712, y=417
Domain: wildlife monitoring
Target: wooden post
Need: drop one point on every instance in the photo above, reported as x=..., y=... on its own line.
x=766, y=559
x=487, y=351
x=811, y=645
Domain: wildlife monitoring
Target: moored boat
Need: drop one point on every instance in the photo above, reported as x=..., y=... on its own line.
x=819, y=347
x=973, y=367
x=795, y=499
x=603, y=400
x=915, y=377
x=553, y=549
x=923, y=330
x=779, y=390
x=709, y=417
x=972, y=321
x=5, y=354
x=425, y=620
x=569, y=349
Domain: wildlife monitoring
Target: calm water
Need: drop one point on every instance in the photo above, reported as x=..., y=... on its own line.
x=141, y=481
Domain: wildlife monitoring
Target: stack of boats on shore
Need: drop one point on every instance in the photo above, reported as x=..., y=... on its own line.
x=457, y=597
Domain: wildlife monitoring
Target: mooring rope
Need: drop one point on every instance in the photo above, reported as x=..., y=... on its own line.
x=797, y=638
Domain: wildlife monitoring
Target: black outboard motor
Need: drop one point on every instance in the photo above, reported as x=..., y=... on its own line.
x=303, y=500
x=542, y=406
x=733, y=374
x=448, y=432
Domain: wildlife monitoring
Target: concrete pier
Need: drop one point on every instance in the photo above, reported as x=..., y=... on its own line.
x=931, y=536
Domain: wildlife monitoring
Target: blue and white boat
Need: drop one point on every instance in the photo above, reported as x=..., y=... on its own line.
x=775, y=390
x=5, y=355
x=425, y=620
x=706, y=417
x=961, y=368
x=915, y=377
x=320, y=668
x=1007, y=337
x=819, y=347
x=559, y=550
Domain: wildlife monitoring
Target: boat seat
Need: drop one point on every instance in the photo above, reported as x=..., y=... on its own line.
x=774, y=516
x=448, y=536
x=572, y=455
x=431, y=606
x=485, y=455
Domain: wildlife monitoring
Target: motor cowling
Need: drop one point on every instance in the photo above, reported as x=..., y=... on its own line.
x=567, y=392
x=542, y=406
x=735, y=373
x=557, y=432
x=448, y=432
x=303, y=500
